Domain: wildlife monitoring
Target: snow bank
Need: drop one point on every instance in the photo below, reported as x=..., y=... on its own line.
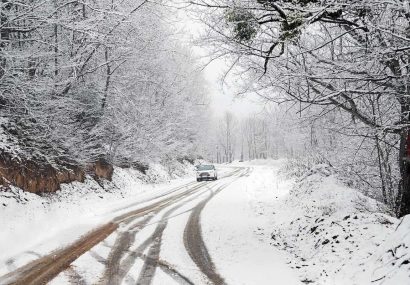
x=331, y=231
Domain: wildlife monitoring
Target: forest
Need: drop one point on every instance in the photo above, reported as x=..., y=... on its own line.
x=338, y=74
x=122, y=161
x=89, y=81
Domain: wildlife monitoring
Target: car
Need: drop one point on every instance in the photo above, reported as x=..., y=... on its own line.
x=206, y=172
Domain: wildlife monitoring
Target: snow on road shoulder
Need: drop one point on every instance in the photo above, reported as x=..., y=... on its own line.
x=230, y=223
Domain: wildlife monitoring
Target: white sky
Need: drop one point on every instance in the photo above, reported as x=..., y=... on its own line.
x=221, y=98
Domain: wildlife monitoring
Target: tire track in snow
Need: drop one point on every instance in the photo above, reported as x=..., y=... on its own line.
x=172, y=272
x=45, y=268
x=116, y=271
x=194, y=242
x=121, y=246
x=98, y=257
x=148, y=270
x=152, y=258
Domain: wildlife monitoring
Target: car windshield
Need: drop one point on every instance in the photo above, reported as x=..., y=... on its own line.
x=205, y=167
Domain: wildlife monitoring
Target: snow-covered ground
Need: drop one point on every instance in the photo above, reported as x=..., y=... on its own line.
x=266, y=227
x=392, y=266
x=331, y=234
x=44, y=223
x=230, y=224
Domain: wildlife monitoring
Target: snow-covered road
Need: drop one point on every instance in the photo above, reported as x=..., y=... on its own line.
x=198, y=233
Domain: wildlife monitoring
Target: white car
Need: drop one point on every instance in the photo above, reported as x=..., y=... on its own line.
x=206, y=172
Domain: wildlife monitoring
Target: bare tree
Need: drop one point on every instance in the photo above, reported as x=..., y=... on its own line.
x=227, y=136
x=81, y=81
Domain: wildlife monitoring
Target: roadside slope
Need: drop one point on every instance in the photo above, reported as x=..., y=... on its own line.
x=333, y=233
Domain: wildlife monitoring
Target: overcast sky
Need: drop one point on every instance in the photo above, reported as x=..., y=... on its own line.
x=221, y=97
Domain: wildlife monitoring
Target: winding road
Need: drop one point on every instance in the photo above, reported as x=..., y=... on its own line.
x=131, y=248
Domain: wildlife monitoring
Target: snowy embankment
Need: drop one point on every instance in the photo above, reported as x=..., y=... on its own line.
x=32, y=225
x=333, y=234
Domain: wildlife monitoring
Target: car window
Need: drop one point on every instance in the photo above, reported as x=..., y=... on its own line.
x=205, y=167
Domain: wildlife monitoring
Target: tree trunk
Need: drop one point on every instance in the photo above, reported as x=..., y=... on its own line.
x=4, y=34
x=56, y=43
x=107, y=79
x=404, y=187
